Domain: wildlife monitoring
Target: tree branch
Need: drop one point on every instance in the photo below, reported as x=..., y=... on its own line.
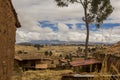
x=82, y=3
x=78, y=1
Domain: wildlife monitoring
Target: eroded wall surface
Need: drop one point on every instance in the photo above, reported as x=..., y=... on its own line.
x=7, y=39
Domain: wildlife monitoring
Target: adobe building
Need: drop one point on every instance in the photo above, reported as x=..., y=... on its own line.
x=34, y=61
x=8, y=24
x=89, y=65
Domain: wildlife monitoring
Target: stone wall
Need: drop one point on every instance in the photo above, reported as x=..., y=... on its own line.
x=7, y=39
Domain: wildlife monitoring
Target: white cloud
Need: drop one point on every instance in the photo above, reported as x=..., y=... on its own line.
x=30, y=12
x=63, y=27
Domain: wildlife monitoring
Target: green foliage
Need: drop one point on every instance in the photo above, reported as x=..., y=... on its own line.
x=46, y=53
x=37, y=46
x=79, y=50
x=68, y=56
x=50, y=53
x=63, y=3
x=60, y=56
x=20, y=52
x=98, y=10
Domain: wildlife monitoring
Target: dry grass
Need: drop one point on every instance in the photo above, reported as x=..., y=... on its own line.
x=55, y=49
x=29, y=49
x=115, y=49
x=106, y=74
x=100, y=76
x=41, y=75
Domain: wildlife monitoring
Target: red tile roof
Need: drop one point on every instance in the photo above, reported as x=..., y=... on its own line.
x=81, y=62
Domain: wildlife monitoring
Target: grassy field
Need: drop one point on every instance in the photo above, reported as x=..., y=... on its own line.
x=29, y=49
x=55, y=49
x=32, y=48
x=40, y=75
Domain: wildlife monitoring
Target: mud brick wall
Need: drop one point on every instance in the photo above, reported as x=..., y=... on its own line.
x=7, y=39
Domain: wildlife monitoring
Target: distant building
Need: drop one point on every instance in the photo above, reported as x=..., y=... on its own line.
x=34, y=61
x=82, y=65
x=63, y=64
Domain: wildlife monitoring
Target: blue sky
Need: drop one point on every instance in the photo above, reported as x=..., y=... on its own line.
x=46, y=23
x=43, y=20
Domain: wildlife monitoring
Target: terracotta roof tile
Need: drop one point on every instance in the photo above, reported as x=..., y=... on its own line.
x=81, y=62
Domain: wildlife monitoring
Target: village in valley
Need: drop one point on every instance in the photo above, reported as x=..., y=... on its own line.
x=62, y=62
x=59, y=40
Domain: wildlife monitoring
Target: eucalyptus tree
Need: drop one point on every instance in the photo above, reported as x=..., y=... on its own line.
x=95, y=11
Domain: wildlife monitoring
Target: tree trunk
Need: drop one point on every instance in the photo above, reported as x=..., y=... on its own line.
x=87, y=41
x=87, y=30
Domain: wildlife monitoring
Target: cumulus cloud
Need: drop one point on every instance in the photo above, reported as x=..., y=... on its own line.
x=31, y=12
x=63, y=27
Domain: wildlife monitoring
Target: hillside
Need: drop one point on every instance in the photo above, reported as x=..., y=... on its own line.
x=54, y=49
x=114, y=49
x=29, y=49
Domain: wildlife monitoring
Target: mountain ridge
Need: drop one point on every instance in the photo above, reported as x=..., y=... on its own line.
x=57, y=42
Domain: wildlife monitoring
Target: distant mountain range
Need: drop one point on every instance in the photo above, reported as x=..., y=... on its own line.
x=57, y=42
x=50, y=42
